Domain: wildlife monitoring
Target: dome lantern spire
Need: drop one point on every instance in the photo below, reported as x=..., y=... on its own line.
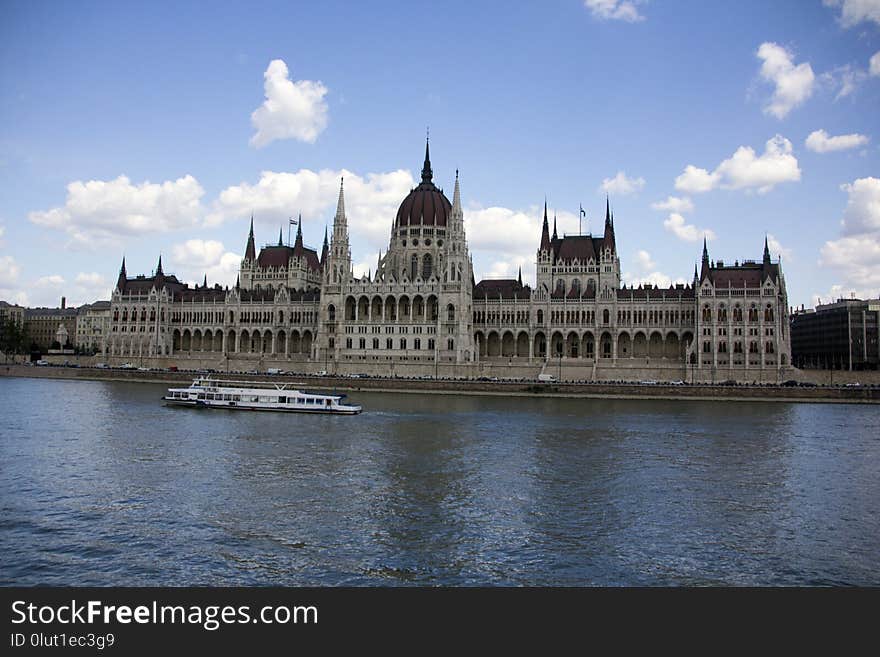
x=427, y=172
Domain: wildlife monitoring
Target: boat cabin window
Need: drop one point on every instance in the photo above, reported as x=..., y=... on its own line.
x=282, y=400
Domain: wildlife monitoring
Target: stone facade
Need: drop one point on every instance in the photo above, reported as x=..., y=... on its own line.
x=421, y=312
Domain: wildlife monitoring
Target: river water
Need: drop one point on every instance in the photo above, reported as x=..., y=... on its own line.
x=103, y=485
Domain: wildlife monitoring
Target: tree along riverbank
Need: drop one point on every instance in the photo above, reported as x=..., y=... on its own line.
x=834, y=394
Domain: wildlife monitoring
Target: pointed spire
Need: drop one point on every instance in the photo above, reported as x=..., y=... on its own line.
x=340, y=204
x=237, y=281
x=519, y=277
x=555, y=237
x=250, y=252
x=325, y=249
x=159, y=271
x=280, y=239
x=545, y=231
x=608, y=238
x=706, y=266
x=456, y=196
x=298, y=244
x=123, y=276
x=205, y=282
x=766, y=251
x=427, y=173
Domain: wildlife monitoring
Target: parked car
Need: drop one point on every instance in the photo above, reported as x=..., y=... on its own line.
x=42, y=362
x=102, y=366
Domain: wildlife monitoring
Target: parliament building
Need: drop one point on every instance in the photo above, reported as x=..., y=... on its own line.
x=421, y=313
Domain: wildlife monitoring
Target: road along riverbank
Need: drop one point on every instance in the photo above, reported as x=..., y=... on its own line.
x=863, y=394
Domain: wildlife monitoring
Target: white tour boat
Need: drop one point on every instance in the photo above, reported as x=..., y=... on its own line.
x=250, y=396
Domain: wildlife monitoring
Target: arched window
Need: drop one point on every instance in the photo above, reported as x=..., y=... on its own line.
x=606, y=316
x=576, y=286
x=413, y=267
x=540, y=317
x=450, y=313
x=768, y=313
x=331, y=313
x=560, y=286
x=427, y=266
x=707, y=314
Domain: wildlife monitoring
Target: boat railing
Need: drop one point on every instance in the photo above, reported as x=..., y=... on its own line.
x=229, y=383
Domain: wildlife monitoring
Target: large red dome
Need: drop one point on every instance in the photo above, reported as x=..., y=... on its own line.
x=426, y=205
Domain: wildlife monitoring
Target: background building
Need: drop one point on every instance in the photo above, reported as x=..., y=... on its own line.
x=841, y=335
x=92, y=325
x=42, y=324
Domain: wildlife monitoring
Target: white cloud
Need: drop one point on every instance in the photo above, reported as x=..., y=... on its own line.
x=847, y=78
x=674, y=204
x=292, y=110
x=2, y=233
x=874, y=64
x=746, y=170
x=862, y=214
x=820, y=142
x=856, y=255
x=624, y=10
x=9, y=290
x=371, y=201
x=647, y=273
x=676, y=225
x=54, y=280
x=857, y=261
x=99, y=212
x=621, y=185
x=854, y=12
x=9, y=271
x=792, y=84
x=776, y=248
x=643, y=258
x=505, y=231
x=695, y=180
x=195, y=259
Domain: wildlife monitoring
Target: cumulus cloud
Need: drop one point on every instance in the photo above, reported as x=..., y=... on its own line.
x=674, y=204
x=776, y=247
x=623, y=10
x=874, y=64
x=793, y=84
x=820, y=142
x=684, y=231
x=746, y=170
x=371, y=201
x=856, y=255
x=194, y=259
x=695, y=180
x=647, y=273
x=862, y=214
x=99, y=212
x=292, y=110
x=9, y=271
x=620, y=185
x=853, y=12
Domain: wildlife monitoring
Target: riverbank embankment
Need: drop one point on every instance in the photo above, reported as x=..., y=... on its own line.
x=769, y=393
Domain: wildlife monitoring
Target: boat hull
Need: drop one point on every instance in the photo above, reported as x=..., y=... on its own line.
x=239, y=406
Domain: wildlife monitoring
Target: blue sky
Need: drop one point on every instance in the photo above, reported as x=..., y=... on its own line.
x=131, y=129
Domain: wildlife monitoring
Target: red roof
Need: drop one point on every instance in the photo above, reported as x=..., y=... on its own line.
x=582, y=247
x=501, y=288
x=425, y=205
